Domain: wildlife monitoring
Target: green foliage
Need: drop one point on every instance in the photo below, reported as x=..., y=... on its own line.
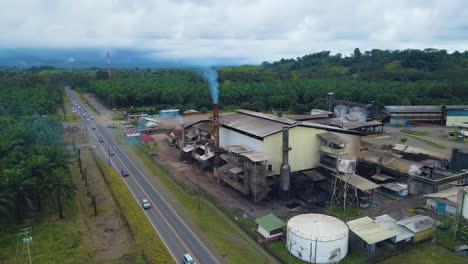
x=403, y=139
x=414, y=132
x=32, y=156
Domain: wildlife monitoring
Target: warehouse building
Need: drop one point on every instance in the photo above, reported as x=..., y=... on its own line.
x=448, y=115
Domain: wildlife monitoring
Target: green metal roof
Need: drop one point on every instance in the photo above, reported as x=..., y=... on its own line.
x=270, y=222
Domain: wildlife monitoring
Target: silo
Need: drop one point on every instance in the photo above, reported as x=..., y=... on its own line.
x=317, y=238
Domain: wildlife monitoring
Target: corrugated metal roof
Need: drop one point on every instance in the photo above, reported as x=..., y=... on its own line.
x=370, y=231
x=318, y=226
x=207, y=156
x=413, y=150
x=328, y=136
x=359, y=124
x=450, y=194
x=358, y=182
x=188, y=148
x=417, y=223
x=394, y=186
x=382, y=177
x=256, y=156
x=270, y=222
x=253, y=125
x=239, y=149
x=413, y=108
x=389, y=223
x=453, y=107
x=236, y=170
x=205, y=125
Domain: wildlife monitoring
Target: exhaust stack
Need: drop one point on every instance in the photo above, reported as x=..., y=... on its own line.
x=285, y=168
x=216, y=138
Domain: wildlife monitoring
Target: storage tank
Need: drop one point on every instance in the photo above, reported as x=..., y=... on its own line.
x=465, y=204
x=317, y=238
x=346, y=165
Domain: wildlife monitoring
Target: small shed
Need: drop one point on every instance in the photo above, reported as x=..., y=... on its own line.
x=444, y=201
x=422, y=226
x=395, y=189
x=403, y=234
x=367, y=233
x=270, y=226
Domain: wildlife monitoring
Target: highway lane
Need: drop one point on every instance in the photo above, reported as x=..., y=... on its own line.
x=175, y=234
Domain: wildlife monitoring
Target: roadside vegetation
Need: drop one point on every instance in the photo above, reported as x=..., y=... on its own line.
x=143, y=232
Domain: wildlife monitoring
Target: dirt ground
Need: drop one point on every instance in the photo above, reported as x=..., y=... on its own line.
x=437, y=134
x=105, y=235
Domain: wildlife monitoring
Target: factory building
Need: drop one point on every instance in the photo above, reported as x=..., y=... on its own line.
x=448, y=115
x=262, y=133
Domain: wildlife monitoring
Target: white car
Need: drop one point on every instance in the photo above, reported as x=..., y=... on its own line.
x=92, y=117
x=188, y=259
x=146, y=204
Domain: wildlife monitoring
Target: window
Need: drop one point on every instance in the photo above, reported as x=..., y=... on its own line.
x=270, y=167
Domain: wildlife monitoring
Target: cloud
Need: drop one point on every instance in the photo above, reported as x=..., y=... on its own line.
x=243, y=30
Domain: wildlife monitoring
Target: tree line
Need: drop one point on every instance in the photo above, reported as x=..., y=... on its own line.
x=408, y=77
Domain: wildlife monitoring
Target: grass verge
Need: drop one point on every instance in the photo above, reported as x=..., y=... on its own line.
x=140, y=227
x=423, y=254
x=230, y=242
x=414, y=132
x=430, y=143
x=54, y=240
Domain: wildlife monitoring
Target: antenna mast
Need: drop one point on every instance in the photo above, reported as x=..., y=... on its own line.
x=109, y=73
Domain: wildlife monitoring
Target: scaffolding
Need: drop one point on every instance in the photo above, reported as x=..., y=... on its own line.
x=343, y=192
x=247, y=173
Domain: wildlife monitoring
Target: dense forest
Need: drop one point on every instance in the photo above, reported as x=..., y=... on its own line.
x=33, y=172
x=408, y=77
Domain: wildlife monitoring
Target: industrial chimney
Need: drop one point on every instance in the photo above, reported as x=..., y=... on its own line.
x=216, y=138
x=285, y=168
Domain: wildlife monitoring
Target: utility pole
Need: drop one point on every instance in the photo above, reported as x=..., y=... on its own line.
x=25, y=236
x=108, y=153
x=93, y=200
x=198, y=185
x=86, y=177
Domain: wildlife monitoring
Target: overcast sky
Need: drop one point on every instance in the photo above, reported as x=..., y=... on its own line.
x=245, y=30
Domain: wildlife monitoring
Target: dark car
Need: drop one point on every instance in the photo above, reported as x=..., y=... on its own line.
x=124, y=173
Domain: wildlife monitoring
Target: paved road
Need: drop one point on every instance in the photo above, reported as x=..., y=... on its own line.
x=175, y=234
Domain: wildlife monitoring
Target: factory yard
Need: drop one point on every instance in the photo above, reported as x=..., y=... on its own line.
x=432, y=133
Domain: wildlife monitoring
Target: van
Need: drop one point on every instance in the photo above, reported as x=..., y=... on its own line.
x=111, y=125
x=188, y=259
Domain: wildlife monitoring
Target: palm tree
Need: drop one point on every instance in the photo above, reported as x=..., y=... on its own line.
x=62, y=185
x=6, y=202
x=21, y=186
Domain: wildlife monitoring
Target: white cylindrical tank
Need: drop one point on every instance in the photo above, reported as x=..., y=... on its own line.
x=465, y=204
x=317, y=238
x=346, y=165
